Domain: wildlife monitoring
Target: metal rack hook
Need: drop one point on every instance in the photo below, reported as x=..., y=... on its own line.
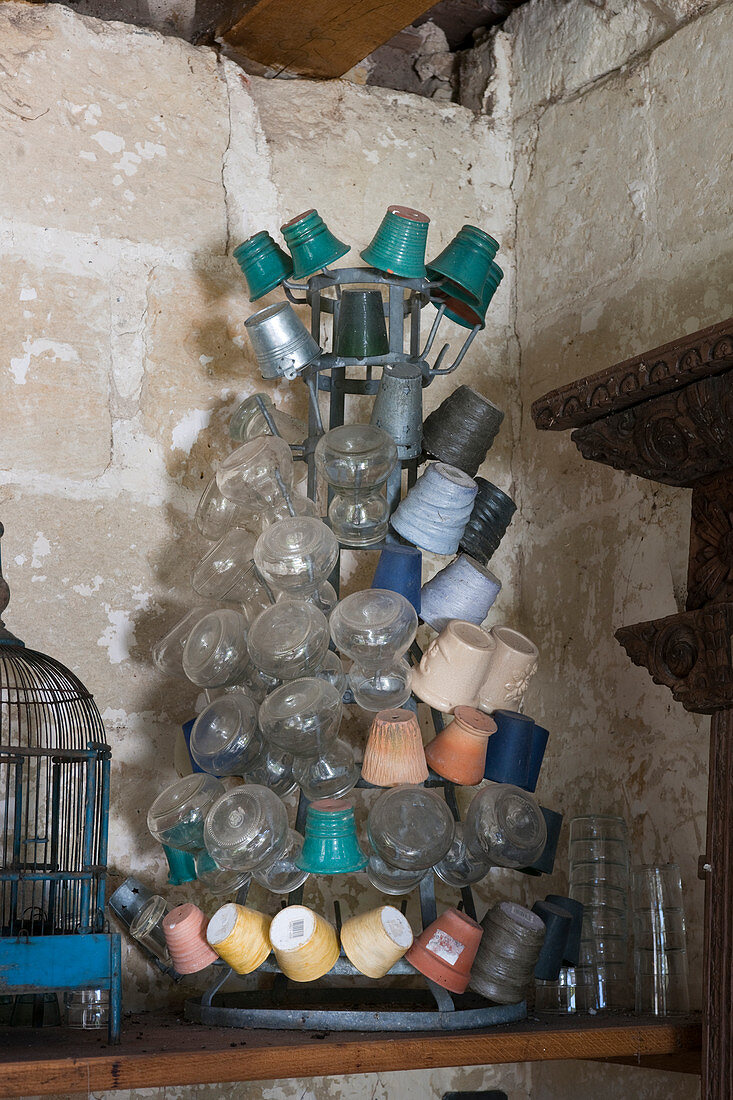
x=436, y=370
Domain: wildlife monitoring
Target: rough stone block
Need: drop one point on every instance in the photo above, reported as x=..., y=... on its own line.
x=691, y=116
x=103, y=130
x=54, y=378
x=582, y=216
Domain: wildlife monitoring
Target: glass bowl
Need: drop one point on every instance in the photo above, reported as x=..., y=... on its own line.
x=258, y=474
x=216, y=650
x=373, y=627
x=176, y=818
x=289, y=639
x=296, y=555
x=410, y=827
x=302, y=717
x=225, y=738
x=505, y=826
x=246, y=828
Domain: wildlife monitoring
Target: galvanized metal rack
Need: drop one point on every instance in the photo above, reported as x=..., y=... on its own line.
x=373, y=1008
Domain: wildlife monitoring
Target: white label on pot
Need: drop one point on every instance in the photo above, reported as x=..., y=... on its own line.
x=445, y=947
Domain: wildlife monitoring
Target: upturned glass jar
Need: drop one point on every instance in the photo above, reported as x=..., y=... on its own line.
x=216, y=654
x=410, y=827
x=176, y=818
x=296, y=555
x=225, y=739
x=356, y=460
x=302, y=717
x=259, y=474
x=248, y=421
x=375, y=628
x=289, y=640
x=246, y=828
x=505, y=826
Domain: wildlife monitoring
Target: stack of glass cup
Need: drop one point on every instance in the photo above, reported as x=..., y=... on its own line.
x=599, y=879
x=660, y=945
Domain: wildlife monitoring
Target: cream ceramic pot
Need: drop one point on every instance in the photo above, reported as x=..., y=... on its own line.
x=512, y=664
x=454, y=666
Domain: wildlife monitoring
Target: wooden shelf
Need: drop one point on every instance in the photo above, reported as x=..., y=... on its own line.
x=158, y=1051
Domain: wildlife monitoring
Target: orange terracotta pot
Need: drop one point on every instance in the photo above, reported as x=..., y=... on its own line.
x=458, y=752
x=394, y=751
x=445, y=951
x=185, y=934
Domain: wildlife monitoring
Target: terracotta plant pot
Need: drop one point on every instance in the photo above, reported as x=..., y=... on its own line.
x=185, y=933
x=445, y=951
x=394, y=751
x=458, y=752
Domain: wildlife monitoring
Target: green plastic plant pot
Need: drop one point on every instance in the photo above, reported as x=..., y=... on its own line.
x=181, y=866
x=312, y=244
x=462, y=307
x=331, y=846
x=398, y=246
x=466, y=260
x=264, y=264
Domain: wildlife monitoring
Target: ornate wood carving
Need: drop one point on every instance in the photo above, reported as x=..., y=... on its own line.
x=710, y=572
x=689, y=653
x=676, y=438
x=663, y=370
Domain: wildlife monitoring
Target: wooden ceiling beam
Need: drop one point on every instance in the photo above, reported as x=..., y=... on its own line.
x=319, y=38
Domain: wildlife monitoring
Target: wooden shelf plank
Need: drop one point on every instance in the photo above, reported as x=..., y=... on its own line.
x=156, y=1051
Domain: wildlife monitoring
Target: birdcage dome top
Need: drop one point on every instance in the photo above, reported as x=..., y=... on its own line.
x=43, y=705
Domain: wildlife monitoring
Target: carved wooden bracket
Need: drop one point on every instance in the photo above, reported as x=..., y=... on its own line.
x=688, y=653
x=710, y=571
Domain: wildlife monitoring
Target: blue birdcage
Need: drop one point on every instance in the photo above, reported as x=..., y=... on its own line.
x=54, y=808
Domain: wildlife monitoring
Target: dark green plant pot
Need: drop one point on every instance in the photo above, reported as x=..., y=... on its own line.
x=361, y=331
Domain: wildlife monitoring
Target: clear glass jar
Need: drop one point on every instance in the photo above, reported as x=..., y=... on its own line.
x=147, y=927
x=216, y=514
x=218, y=880
x=283, y=875
x=392, y=880
x=248, y=421
x=216, y=650
x=410, y=827
x=505, y=826
x=246, y=828
x=274, y=769
x=87, y=1008
x=289, y=640
x=459, y=867
x=296, y=556
x=176, y=817
x=226, y=573
x=330, y=775
x=259, y=474
x=302, y=717
x=168, y=652
x=375, y=628
x=225, y=738
x=356, y=460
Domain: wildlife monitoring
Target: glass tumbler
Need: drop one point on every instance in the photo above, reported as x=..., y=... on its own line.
x=246, y=829
x=216, y=650
x=505, y=826
x=410, y=828
x=375, y=628
x=599, y=879
x=177, y=815
x=147, y=927
x=225, y=738
x=289, y=640
x=660, y=941
x=296, y=556
x=356, y=460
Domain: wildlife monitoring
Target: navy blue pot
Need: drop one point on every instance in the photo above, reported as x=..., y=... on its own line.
x=546, y=863
x=510, y=748
x=575, y=909
x=537, y=754
x=399, y=569
x=558, y=924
